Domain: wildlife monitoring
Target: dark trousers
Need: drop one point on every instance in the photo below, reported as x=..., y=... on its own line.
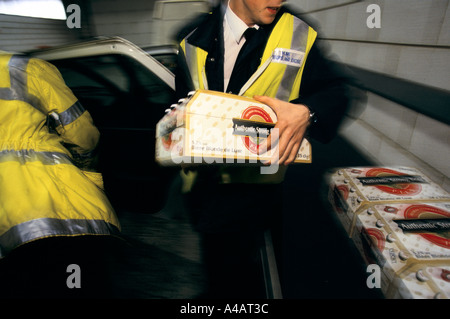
x=232, y=219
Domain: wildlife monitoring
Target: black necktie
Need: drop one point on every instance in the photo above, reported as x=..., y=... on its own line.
x=249, y=33
x=245, y=60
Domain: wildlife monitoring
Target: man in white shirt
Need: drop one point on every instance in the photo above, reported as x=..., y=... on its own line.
x=232, y=216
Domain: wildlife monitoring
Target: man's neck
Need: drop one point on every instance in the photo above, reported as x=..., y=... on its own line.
x=237, y=10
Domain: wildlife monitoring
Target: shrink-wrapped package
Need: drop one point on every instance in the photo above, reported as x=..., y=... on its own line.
x=399, y=220
x=355, y=189
x=213, y=127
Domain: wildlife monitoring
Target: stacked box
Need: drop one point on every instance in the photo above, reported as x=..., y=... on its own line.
x=404, y=238
x=399, y=220
x=213, y=127
x=338, y=196
x=422, y=282
x=353, y=190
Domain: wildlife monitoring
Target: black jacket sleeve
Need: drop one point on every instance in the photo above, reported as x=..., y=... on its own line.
x=324, y=89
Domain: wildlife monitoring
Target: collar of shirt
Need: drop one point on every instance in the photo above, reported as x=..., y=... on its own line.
x=235, y=24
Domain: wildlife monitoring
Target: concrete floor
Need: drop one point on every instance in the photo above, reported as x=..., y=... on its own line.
x=161, y=259
x=315, y=257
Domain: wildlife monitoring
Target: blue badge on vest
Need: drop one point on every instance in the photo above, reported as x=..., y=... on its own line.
x=288, y=56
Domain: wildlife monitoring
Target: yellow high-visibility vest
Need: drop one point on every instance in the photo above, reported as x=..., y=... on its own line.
x=280, y=71
x=42, y=192
x=278, y=75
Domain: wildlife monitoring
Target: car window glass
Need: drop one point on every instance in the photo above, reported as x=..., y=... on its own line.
x=154, y=89
x=168, y=60
x=94, y=90
x=109, y=67
x=118, y=91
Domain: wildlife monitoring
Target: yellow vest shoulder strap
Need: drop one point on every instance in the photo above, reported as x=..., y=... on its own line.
x=283, y=60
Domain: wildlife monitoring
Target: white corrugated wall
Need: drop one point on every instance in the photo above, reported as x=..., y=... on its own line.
x=134, y=20
x=412, y=43
x=139, y=22
x=20, y=34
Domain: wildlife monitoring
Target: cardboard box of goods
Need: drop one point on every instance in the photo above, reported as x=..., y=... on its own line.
x=338, y=195
x=212, y=127
x=355, y=189
x=404, y=237
x=422, y=282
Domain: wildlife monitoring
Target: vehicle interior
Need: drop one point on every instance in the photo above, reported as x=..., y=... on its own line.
x=125, y=101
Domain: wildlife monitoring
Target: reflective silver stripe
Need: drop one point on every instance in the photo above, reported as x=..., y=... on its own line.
x=255, y=76
x=45, y=227
x=24, y=156
x=299, y=43
x=18, y=90
x=18, y=72
x=191, y=59
x=71, y=114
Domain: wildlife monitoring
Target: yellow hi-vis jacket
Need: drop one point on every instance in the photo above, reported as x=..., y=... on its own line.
x=278, y=75
x=42, y=192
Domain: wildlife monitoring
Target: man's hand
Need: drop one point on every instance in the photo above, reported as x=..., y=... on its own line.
x=292, y=123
